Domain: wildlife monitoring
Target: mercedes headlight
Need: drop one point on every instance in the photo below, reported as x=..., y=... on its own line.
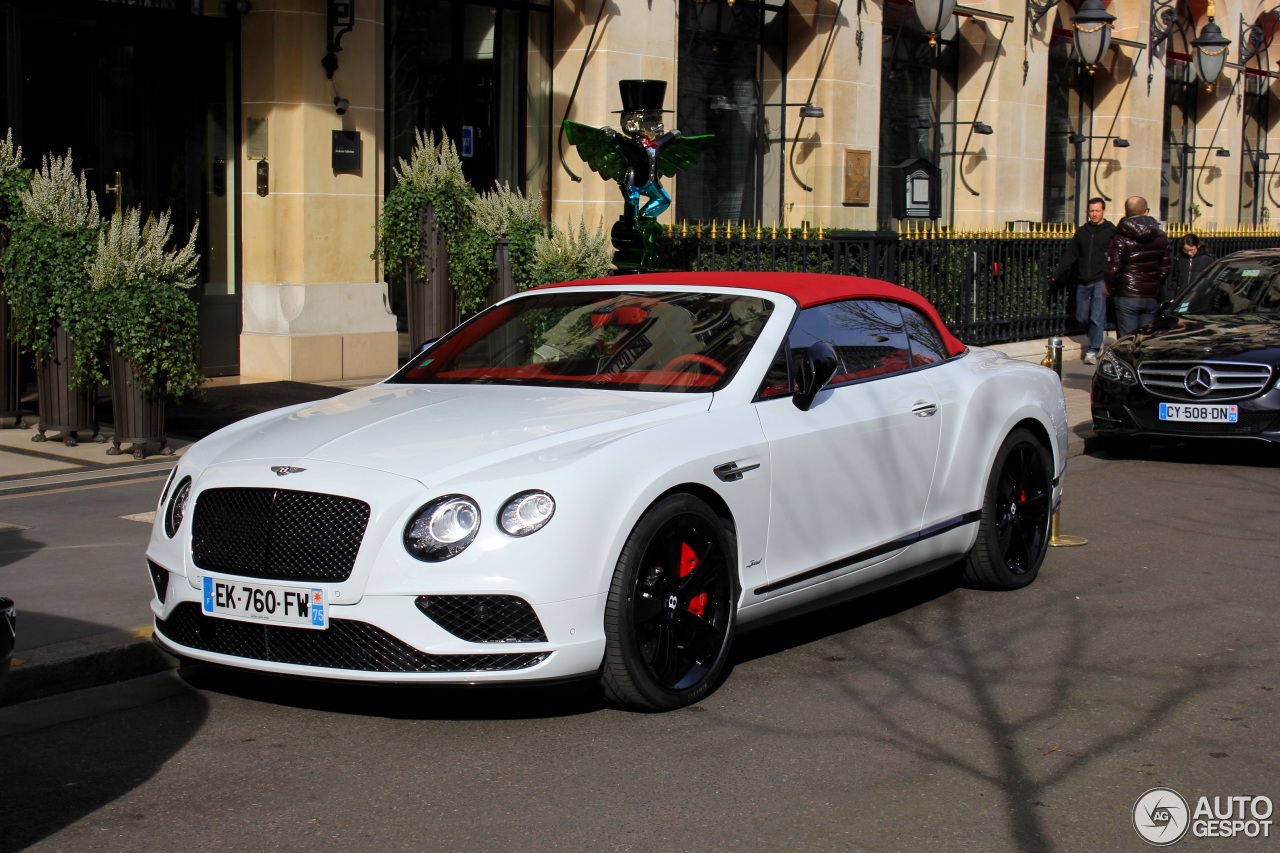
x=1116, y=370
x=443, y=528
x=527, y=512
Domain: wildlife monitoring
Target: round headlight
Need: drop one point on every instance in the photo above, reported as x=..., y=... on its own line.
x=442, y=528
x=527, y=513
x=177, y=508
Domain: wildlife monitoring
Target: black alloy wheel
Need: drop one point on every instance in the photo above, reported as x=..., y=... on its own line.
x=672, y=607
x=1014, y=533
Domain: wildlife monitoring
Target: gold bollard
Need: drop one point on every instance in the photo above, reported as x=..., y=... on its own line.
x=1053, y=359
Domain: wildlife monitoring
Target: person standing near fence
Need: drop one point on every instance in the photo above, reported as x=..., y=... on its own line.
x=1087, y=254
x=1192, y=259
x=1137, y=266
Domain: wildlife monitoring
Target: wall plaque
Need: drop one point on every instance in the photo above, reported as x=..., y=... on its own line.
x=857, y=177
x=348, y=151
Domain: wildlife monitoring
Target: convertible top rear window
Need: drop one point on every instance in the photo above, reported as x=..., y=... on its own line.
x=659, y=341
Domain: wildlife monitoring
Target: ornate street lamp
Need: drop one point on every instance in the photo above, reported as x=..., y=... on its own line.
x=1211, y=51
x=1092, y=33
x=934, y=15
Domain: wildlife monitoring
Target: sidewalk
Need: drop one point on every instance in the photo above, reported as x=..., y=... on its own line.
x=60, y=658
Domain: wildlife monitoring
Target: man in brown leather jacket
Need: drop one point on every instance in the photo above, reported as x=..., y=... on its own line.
x=1137, y=265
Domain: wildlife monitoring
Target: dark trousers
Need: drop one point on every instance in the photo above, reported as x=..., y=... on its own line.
x=1132, y=312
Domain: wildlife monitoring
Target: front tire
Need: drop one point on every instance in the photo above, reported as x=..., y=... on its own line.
x=672, y=608
x=1014, y=533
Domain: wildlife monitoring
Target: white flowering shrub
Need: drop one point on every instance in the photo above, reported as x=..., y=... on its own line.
x=59, y=197
x=565, y=256
x=131, y=251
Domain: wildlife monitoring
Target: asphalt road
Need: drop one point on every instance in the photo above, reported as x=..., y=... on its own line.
x=928, y=718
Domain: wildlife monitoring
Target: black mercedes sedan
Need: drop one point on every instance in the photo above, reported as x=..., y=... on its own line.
x=1207, y=366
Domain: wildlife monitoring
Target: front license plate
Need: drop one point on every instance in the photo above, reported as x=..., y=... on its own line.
x=1199, y=413
x=299, y=607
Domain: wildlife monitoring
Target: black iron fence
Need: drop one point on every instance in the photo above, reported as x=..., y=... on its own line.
x=989, y=286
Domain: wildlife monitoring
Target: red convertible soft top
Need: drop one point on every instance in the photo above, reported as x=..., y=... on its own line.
x=806, y=288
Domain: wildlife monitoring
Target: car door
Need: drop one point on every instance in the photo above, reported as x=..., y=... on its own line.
x=850, y=476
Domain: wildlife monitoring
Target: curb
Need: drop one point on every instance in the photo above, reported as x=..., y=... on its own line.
x=79, y=664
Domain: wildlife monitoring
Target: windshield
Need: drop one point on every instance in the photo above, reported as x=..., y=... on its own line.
x=685, y=342
x=1230, y=286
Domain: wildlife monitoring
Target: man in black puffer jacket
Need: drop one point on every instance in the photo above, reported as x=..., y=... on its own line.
x=1087, y=253
x=1137, y=266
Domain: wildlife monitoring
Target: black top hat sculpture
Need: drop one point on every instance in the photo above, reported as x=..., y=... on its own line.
x=637, y=158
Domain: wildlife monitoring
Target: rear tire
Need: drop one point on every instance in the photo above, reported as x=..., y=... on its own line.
x=1016, y=509
x=672, y=608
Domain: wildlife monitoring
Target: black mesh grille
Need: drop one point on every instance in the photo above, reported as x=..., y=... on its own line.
x=159, y=579
x=1250, y=423
x=346, y=644
x=484, y=618
x=278, y=533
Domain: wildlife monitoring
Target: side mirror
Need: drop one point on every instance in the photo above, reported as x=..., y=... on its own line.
x=423, y=347
x=816, y=366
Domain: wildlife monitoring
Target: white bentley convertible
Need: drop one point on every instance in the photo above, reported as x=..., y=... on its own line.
x=608, y=479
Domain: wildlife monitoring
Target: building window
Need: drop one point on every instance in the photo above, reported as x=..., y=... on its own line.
x=1254, y=158
x=917, y=105
x=478, y=73
x=1177, y=167
x=1068, y=124
x=731, y=82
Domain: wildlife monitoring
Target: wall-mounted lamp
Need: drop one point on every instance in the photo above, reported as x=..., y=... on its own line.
x=1117, y=141
x=1222, y=152
x=1091, y=28
x=1210, y=50
x=934, y=15
x=720, y=102
x=342, y=20
x=920, y=123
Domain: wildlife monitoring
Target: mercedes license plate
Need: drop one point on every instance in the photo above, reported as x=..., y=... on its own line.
x=298, y=607
x=1199, y=412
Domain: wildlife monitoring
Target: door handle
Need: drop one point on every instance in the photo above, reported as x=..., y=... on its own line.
x=924, y=410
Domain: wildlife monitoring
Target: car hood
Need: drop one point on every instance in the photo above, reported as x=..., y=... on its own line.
x=1244, y=337
x=430, y=433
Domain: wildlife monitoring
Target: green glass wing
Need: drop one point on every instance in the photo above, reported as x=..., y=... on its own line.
x=597, y=150
x=681, y=153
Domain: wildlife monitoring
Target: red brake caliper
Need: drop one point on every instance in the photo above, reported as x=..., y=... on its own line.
x=689, y=562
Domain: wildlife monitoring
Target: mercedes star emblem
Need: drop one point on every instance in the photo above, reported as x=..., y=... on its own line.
x=1199, y=381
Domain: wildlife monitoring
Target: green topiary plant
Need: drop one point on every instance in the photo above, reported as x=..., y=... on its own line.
x=560, y=256
x=139, y=285
x=44, y=267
